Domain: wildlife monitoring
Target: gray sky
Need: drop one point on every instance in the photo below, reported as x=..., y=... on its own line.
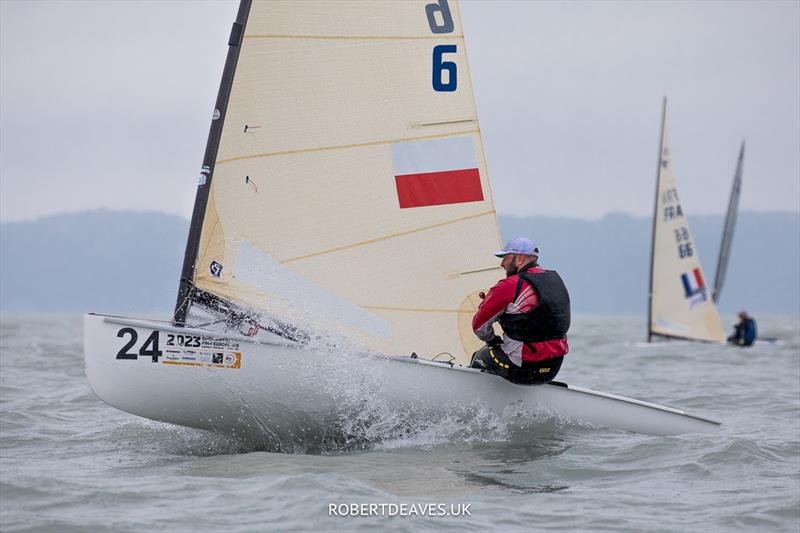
x=108, y=104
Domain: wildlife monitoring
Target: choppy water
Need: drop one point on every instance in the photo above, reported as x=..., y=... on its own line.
x=68, y=462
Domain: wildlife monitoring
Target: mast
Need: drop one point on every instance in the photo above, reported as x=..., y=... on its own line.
x=727, y=231
x=209, y=158
x=655, y=219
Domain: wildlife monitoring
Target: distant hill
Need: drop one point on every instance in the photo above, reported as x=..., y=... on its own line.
x=606, y=263
x=92, y=261
x=130, y=261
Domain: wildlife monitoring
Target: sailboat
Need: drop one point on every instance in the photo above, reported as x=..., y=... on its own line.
x=680, y=302
x=342, y=232
x=727, y=231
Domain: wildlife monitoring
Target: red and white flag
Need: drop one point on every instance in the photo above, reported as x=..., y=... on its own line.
x=436, y=172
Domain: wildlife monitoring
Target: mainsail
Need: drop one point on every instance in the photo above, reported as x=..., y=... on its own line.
x=344, y=186
x=730, y=223
x=680, y=301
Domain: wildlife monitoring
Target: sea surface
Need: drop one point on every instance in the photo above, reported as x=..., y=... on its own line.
x=69, y=462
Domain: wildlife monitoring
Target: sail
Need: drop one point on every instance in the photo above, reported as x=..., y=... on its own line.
x=730, y=223
x=349, y=191
x=680, y=300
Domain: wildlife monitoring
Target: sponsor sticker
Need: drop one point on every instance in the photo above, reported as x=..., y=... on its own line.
x=194, y=350
x=189, y=357
x=205, y=172
x=178, y=349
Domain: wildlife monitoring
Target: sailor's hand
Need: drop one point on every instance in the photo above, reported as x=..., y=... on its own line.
x=495, y=341
x=482, y=295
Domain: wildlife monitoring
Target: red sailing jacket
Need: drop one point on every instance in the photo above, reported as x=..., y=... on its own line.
x=499, y=300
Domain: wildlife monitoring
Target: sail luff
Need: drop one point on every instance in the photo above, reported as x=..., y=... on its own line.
x=655, y=220
x=212, y=146
x=730, y=223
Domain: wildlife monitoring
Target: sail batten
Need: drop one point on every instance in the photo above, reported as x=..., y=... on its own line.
x=350, y=167
x=680, y=300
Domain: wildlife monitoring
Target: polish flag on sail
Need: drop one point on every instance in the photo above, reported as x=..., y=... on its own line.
x=436, y=172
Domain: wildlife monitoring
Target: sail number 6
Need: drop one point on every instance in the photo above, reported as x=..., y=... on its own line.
x=439, y=66
x=444, y=24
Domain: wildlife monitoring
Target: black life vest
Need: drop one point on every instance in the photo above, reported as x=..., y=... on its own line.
x=550, y=319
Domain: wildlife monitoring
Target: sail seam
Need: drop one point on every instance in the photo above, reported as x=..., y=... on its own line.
x=345, y=146
x=414, y=309
x=436, y=37
x=385, y=237
x=445, y=123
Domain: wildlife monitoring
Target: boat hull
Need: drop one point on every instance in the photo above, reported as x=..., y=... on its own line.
x=289, y=393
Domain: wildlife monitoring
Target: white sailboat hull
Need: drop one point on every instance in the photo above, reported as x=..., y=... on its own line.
x=238, y=386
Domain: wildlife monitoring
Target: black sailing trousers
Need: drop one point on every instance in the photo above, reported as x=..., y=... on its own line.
x=493, y=360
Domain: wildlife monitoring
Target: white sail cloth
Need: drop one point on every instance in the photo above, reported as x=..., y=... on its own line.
x=680, y=304
x=349, y=193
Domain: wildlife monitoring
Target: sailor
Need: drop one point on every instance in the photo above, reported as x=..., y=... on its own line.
x=532, y=306
x=744, y=333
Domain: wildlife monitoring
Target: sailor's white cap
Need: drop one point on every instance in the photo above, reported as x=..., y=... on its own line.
x=520, y=245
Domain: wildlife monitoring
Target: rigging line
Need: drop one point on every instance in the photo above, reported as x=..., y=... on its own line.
x=248, y=180
x=345, y=146
x=385, y=237
x=206, y=324
x=187, y=299
x=358, y=37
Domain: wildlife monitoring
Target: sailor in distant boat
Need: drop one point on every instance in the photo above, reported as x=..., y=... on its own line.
x=745, y=332
x=532, y=306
